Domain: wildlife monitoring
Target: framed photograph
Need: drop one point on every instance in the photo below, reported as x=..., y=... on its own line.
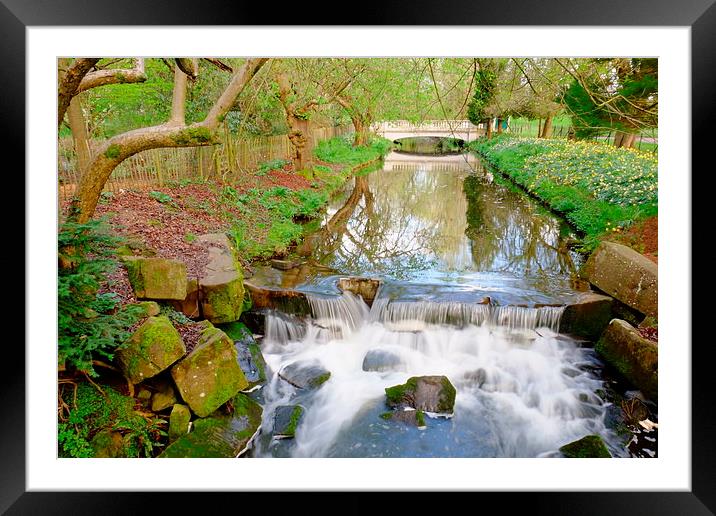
x=417, y=253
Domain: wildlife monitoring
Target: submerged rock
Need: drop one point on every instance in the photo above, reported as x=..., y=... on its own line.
x=434, y=394
x=409, y=417
x=632, y=355
x=590, y=446
x=305, y=374
x=151, y=349
x=286, y=419
x=382, y=360
x=626, y=275
x=210, y=375
x=156, y=278
x=220, y=436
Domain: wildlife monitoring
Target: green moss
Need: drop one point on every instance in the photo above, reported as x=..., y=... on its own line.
x=227, y=301
x=447, y=398
x=591, y=446
x=386, y=415
x=296, y=415
x=113, y=151
x=320, y=380
x=420, y=418
x=399, y=394
x=194, y=135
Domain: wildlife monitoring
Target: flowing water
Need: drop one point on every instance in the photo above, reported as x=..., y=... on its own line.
x=463, y=263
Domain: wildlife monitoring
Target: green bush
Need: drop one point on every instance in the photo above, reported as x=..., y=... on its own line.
x=89, y=324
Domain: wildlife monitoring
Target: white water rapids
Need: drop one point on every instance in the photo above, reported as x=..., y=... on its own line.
x=520, y=389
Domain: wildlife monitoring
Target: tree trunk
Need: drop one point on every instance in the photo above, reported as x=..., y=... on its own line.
x=70, y=77
x=547, y=128
x=628, y=140
x=619, y=138
x=80, y=137
x=361, y=134
x=120, y=147
x=489, y=128
x=499, y=126
x=298, y=130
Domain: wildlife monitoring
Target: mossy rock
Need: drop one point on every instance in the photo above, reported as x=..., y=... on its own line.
x=305, y=374
x=108, y=444
x=434, y=394
x=179, y=421
x=409, y=417
x=164, y=398
x=248, y=352
x=588, y=447
x=220, y=436
x=222, y=284
x=151, y=349
x=156, y=278
x=286, y=419
x=149, y=308
x=210, y=375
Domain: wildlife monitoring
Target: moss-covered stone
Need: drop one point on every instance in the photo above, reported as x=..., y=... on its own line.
x=108, y=444
x=151, y=349
x=220, y=436
x=222, y=282
x=588, y=447
x=588, y=316
x=286, y=420
x=149, y=308
x=433, y=394
x=179, y=421
x=164, y=398
x=210, y=375
x=305, y=374
x=632, y=355
x=156, y=278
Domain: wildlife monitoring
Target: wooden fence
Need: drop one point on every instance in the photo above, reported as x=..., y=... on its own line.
x=156, y=167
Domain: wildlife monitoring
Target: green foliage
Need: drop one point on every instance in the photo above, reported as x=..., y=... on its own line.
x=485, y=86
x=597, y=187
x=340, y=150
x=91, y=412
x=161, y=197
x=268, y=166
x=113, y=151
x=89, y=324
x=174, y=316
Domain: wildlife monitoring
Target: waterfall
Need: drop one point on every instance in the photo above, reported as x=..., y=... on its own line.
x=338, y=315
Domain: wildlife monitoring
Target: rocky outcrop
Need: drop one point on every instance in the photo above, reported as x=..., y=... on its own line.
x=222, y=283
x=210, y=375
x=625, y=275
x=151, y=349
x=286, y=419
x=179, y=421
x=156, y=278
x=366, y=288
x=588, y=447
x=304, y=374
x=588, y=316
x=434, y=394
x=632, y=355
x=220, y=436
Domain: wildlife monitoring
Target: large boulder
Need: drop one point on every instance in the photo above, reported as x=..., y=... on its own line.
x=210, y=375
x=151, y=349
x=632, y=355
x=305, y=374
x=434, y=394
x=626, y=275
x=587, y=316
x=156, y=278
x=588, y=447
x=220, y=436
x=222, y=283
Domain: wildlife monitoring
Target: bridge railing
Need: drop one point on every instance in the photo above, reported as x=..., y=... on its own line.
x=426, y=125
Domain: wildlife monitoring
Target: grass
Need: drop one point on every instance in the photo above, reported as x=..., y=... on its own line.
x=340, y=150
x=598, y=188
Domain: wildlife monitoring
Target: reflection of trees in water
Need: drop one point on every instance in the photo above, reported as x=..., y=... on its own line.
x=509, y=233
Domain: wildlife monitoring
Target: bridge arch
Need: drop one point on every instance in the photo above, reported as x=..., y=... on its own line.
x=462, y=129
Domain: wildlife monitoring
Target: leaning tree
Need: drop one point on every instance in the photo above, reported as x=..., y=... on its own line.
x=175, y=132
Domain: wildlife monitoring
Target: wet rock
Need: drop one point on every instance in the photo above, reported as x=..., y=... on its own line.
x=305, y=374
x=286, y=420
x=108, y=444
x=590, y=446
x=156, y=278
x=382, y=360
x=409, y=417
x=164, y=398
x=366, y=288
x=220, y=436
x=210, y=375
x=151, y=349
x=588, y=316
x=179, y=421
x=434, y=394
x=284, y=265
x=625, y=275
x=248, y=352
x=222, y=284
x=477, y=377
x=635, y=357
x=284, y=300
x=190, y=305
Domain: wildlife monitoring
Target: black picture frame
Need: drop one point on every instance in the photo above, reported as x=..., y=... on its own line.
x=700, y=15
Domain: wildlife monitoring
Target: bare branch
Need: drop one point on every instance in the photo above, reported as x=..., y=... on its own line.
x=114, y=76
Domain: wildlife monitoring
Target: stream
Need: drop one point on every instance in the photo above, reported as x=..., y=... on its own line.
x=466, y=264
